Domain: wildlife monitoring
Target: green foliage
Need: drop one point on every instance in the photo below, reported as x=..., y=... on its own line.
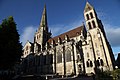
x=111, y=75
x=103, y=74
x=116, y=74
x=10, y=47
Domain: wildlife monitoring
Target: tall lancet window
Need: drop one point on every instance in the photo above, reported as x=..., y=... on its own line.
x=90, y=27
x=91, y=15
x=87, y=16
x=89, y=63
x=59, y=57
x=100, y=62
x=68, y=55
x=93, y=23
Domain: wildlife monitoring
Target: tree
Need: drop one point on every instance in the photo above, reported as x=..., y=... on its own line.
x=116, y=74
x=118, y=61
x=103, y=75
x=10, y=46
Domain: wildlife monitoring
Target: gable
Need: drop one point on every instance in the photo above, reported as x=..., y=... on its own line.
x=27, y=44
x=88, y=7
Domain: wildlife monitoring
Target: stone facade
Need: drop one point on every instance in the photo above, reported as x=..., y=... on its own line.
x=78, y=51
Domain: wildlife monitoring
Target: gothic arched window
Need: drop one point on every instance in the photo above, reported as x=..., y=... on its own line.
x=91, y=65
x=101, y=61
x=87, y=64
x=87, y=16
x=59, y=57
x=90, y=27
x=98, y=63
x=50, y=58
x=93, y=23
x=91, y=15
x=68, y=55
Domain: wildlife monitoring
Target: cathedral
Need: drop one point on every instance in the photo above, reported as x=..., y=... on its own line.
x=82, y=50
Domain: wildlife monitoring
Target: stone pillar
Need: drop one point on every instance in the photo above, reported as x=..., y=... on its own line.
x=54, y=60
x=75, y=59
x=63, y=60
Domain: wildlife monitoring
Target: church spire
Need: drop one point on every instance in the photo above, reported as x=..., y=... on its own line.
x=43, y=22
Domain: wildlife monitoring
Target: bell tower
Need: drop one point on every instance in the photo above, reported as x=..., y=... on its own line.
x=90, y=17
x=42, y=35
x=103, y=56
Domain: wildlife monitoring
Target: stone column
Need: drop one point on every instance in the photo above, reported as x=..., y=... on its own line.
x=74, y=59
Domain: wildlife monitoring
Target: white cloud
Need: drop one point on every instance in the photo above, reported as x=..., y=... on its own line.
x=113, y=34
x=28, y=34
x=59, y=28
x=29, y=31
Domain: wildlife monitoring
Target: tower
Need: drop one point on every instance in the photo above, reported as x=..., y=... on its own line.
x=97, y=41
x=42, y=35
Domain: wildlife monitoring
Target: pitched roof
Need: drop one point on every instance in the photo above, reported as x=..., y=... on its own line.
x=70, y=34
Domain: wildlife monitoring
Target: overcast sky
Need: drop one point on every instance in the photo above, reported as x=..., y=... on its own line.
x=63, y=15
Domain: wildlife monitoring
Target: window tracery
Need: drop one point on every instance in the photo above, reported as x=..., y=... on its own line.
x=89, y=63
x=100, y=62
x=59, y=57
x=68, y=55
